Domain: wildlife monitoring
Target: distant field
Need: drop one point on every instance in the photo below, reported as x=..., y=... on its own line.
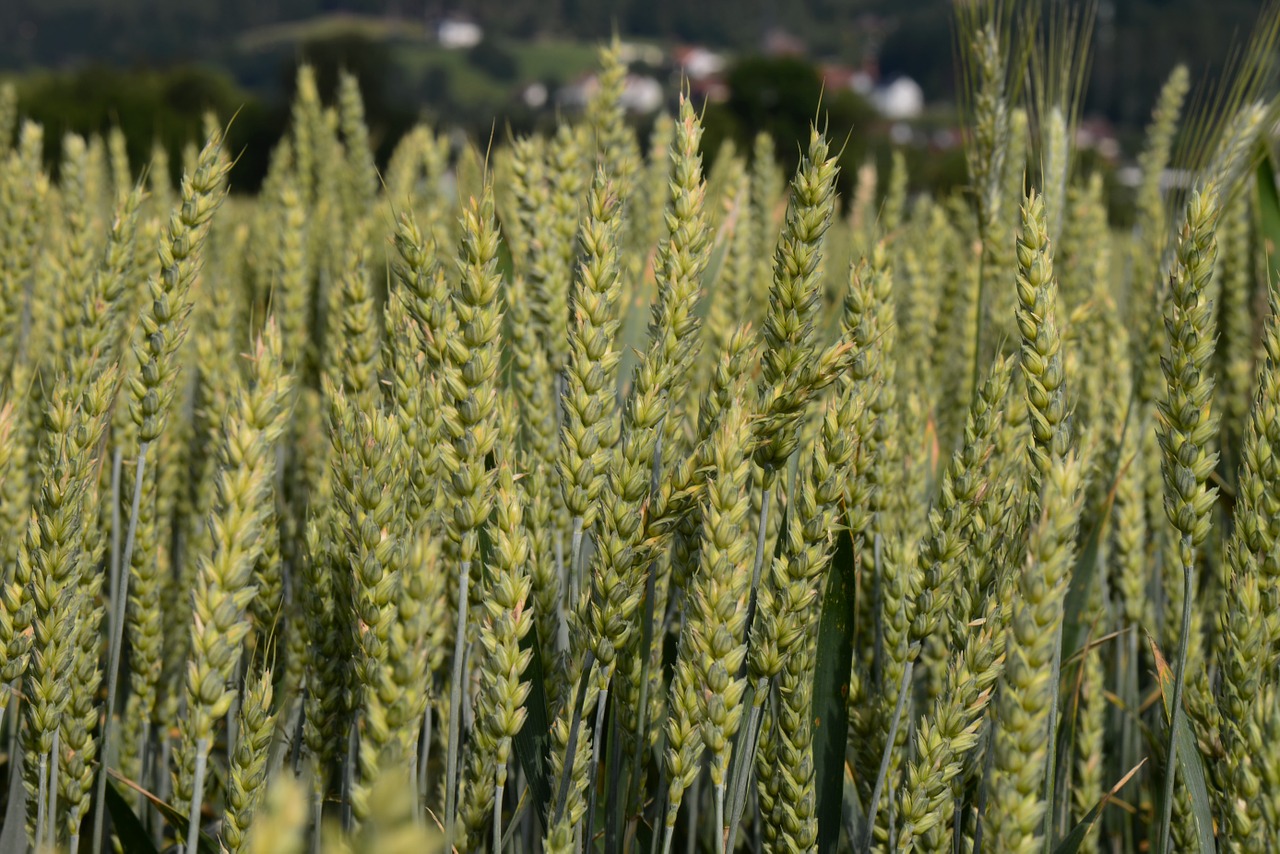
x=330, y=26
x=414, y=52
x=472, y=85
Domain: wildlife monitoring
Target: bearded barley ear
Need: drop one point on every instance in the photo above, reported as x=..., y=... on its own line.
x=76, y=255
x=551, y=267
x=1153, y=227
x=1028, y=689
x=661, y=378
x=529, y=200
x=25, y=187
x=1235, y=353
x=164, y=322
x=290, y=297
x=788, y=373
x=358, y=367
x=1257, y=527
x=730, y=301
x=875, y=335
x=957, y=310
x=163, y=328
x=784, y=649
x=473, y=394
x=615, y=144
x=1265, y=720
x=426, y=288
x=895, y=200
x=1088, y=708
x=61, y=554
x=1236, y=146
x=305, y=127
x=948, y=734
x=224, y=584
x=500, y=704
x=371, y=492
x=1042, y=359
x=1017, y=165
x=62, y=545
x=652, y=189
x=79, y=743
x=590, y=420
x=1188, y=422
x=951, y=521
x=8, y=116
x=247, y=775
x=920, y=291
x=362, y=178
x=532, y=379
x=768, y=184
x=1248, y=637
x=984, y=40
x=628, y=538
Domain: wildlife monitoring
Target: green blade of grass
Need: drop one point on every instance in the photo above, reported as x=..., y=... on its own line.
x=1070, y=844
x=1087, y=561
x=831, y=691
x=206, y=845
x=1268, y=214
x=1189, y=759
x=531, y=742
x=133, y=836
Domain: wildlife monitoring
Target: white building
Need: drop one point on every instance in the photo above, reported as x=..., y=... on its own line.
x=535, y=95
x=458, y=33
x=641, y=94
x=900, y=99
x=699, y=63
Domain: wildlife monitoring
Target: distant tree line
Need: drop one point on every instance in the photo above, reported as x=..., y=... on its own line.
x=1136, y=43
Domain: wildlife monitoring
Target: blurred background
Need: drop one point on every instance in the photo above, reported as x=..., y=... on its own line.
x=884, y=70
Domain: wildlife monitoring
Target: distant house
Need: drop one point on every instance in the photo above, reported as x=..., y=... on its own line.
x=699, y=63
x=458, y=33
x=632, y=52
x=835, y=76
x=779, y=42
x=713, y=89
x=640, y=94
x=534, y=95
x=1097, y=134
x=575, y=95
x=901, y=98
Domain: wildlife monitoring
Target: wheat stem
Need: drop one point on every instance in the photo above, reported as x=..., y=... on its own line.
x=1187, y=554
x=883, y=774
x=762, y=534
x=197, y=795
x=118, y=608
x=455, y=707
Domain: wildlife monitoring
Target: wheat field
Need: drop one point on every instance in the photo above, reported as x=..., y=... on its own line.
x=556, y=496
